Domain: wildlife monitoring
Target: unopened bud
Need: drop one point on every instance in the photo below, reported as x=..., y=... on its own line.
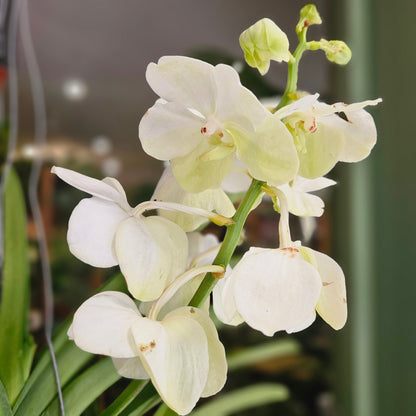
x=336, y=51
x=262, y=42
x=308, y=16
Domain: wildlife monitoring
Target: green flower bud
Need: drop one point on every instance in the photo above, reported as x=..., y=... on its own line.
x=308, y=16
x=262, y=42
x=336, y=51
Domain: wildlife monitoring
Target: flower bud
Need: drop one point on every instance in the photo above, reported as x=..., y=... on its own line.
x=262, y=42
x=336, y=51
x=308, y=16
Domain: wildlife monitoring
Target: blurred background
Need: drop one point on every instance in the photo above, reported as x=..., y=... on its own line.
x=93, y=56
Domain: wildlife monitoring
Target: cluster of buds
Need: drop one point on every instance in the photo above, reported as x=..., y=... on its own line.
x=216, y=138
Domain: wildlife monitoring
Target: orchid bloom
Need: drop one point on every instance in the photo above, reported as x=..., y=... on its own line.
x=280, y=289
x=323, y=138
x=104, y=231
x=205, y=118
x=180, y=353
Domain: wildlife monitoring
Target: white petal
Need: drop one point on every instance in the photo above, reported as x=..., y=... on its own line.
x=238, y=180
x=169, y=130
x=92, y=186
x=176, y=358
x=360, y=136
x=275, y=289
x=185, y=80
x=102, y=324
x=304, y=104
x=217, y=362
x=308, y=322
x=200, y=243
x=130, y=368
x=151, y=252
x=91, y=231
x=311, y=185
x=224, y=304
x=332, y=304
x=302, y=204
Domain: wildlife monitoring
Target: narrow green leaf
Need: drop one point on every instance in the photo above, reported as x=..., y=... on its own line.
x=16, y=347
x=125, y=398
x=41, y=387
x=5, y=409
x=83, y=390
x=164, y=410
x=243, y=399
x=266, y=351
x=147, y=399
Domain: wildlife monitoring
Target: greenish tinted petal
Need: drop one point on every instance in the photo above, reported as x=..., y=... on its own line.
x=174, y=353
x=308, y=16
x=322, y=148
x=269, y=153
x=217, y=362
x=336, y=51
x=262, y=42
x=195, y=175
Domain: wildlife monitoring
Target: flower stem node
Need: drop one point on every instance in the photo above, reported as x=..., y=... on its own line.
x=308, y=16
x=262, y=42
x=336, y=51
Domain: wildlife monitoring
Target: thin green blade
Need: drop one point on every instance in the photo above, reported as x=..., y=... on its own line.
x=16, y=346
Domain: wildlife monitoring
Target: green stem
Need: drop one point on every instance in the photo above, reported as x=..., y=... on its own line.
x=293, y=67
x=230, y=242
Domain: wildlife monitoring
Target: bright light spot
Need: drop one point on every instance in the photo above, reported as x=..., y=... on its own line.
x=28, y=151
x=75, y=89
x=101, y=145
x=111, y=166
x=238, y=66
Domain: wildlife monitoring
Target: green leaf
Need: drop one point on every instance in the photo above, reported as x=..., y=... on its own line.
x=125, y=398
x=147, y=399
x=259, y=353
x=83, y=390
x=16, y=345
x=243, y=399
x=5, y=409
x=41, y=389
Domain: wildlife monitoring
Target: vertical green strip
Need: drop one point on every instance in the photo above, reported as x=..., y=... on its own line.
x=359, y=85
x=16, y=346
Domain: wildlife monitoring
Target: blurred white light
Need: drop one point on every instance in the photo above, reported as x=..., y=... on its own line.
x=75, y=89
x=101, y=145
x=28, y=151
x=238, y=66
x=111, y=166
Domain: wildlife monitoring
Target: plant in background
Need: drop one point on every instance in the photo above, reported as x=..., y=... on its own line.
x=215, y=136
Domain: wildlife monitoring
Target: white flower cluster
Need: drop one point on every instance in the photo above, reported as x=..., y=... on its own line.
x=216, y=136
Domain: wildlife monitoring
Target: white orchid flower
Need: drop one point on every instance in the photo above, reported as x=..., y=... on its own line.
x=205, y=117
x=300, y=202
x=104, y=231
x=169, y=190
x=323, y=138
x=180, y=353
x=280, y=289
